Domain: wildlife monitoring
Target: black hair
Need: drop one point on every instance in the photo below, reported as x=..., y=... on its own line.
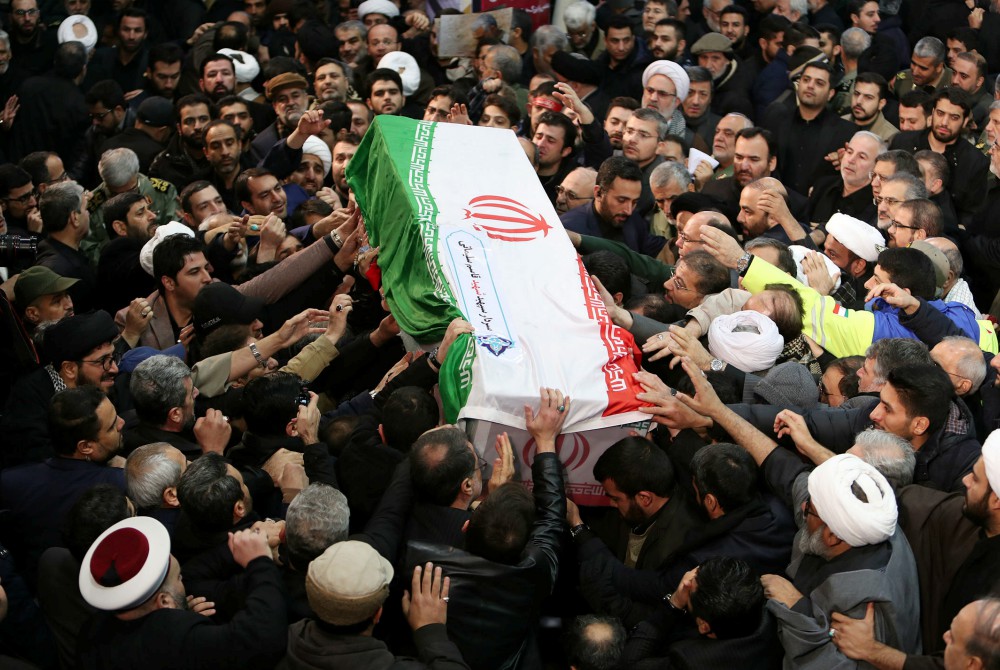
x=636, y=464
x=729, y=597
x=73, y=417
x=925, y=390
x=99, y=508
x=407, y=414
x=616, y=167
x=439, y=462
x=612, y=270
x=269, y=403
x=382, y=74
x=910, y=269
x=728, y=473
x=208, y=493
x=500, y=528
x=171, y=254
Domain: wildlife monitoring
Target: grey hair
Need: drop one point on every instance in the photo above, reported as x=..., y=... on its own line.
x=5, y=38
x=508, y=61
x=883, y=146
x=853, y=42
x=971, y=364
x=747, y=123
x=930, y=47
x=915, y=188
x=549, y=36
x=996, y=103
x=800, y=6
x=157, y=386
x=579, y=14
x=118, y=167
x=57, y=204
x=955, y=262
x=353, y=25
x=996, y=89
x=890, y=454
x=316, y=519
x=647, y=114
x=698, y=73
x=670, y=172
x=149, y=472
x=891, y=352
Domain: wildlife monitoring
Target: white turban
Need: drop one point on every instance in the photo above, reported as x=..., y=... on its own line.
x=162, y=233
x=861, y=238
x=991, y=459
x=749, y=341
x=383, y=7
x=674, y=72
x=406, y=66
x=317, y=147
x=855, y=522
x=799, y=253
x=78, y=28
x=246, y=66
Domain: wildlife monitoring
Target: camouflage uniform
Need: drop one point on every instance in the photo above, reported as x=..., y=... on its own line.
x=902, y=83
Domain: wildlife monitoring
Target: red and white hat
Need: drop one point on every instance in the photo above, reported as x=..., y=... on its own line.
x=126, y=565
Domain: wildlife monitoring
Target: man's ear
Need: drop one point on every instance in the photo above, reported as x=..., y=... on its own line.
x=881, y=104
x=830, y=538
x=239, y=510
x=120, y=227
x=681, y=46
x=919, y=425
x=168, y=283
x=32, y=314
x=170, y=497
x=69, y=371
x=832, y=93
x=290, y=429
x=175, y=414
x=703, y=627
x=85, y=448
x=164, y=601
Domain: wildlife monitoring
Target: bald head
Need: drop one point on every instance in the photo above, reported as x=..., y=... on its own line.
x=955, y=263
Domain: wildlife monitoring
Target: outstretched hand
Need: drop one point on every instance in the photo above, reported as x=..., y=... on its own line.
x=546, y=425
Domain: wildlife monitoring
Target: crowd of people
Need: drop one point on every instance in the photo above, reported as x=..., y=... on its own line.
x=219, y=450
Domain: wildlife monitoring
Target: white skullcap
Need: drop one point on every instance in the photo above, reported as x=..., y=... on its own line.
x=675, y=72
x=406, y=66
x=246, y=66
x=861, y=238
x=747, y=340
x=162, y=233
x=314, y=146
x=78, y=28
x=383, y=7
x=799, y=253
x=991, y=459
x=855, y=522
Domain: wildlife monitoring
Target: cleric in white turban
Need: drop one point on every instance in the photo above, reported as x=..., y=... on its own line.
x=747, y=340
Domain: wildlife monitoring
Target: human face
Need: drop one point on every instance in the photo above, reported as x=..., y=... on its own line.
x=614, y=125
x=239, y=115
x=891, y=194
x=494, y=117
x=993, y=126
x=626, y=505
x=352, y=45
x=222, y=149
x=381, y=40
x=140, y=221
x=770, y=48
x=438, y=108
x=865, y=103
x=580, y=37
x=576, y=189
x=641, y=141
x=724, y=141
x=310, y=174
x=360, y=118
x=75, y=7
x=551, y=143
x=880, y=276
x=219, y=79
x=619, y=43
x=977, y=494
x=902, y=232
x=838, y=253
x=698, y=99
x=51, y=307
x=663, y=42
x=24, y=17
x=829, y=387
x=858, y=161
x=949, y=357
x=752, y=218
x=751, y=160
x=813, y=89
x=664, y=196
x=925, y=70
x=20, y=201
x=828, y=46
x=192, y=277
x=289, y=104
x=712, y=15
x=912, y=118
x=371, y=20
x=193, y=120
x=109, y=440
x=948, y=120
x=4, y=58
x=764, y=6
x=890, y=415
x=966, y=76
x=660, y=94
x=734, y=27
x=386, y=98
x=164, y=77
x=57, y=171
x=330, y=83
x=681, y=289
x=954, y=48
x=131, y=33
x=713, y=61
x=689, y=233
x=882, y=170
x=205, y=203
x=255, y=7
x=288, y=247
x=104, y=119
x=91, y=369
x=651, y=13
x=615, y=205
x=956, y=638
x=342, y=154
x=267, y=196
x=867, y=19
x=784, y=8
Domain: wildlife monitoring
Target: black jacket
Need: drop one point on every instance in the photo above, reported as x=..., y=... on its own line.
x=66, y=261
x=175, y=165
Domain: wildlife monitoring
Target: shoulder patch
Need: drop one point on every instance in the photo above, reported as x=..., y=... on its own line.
x=160, y=185
x=901, y=75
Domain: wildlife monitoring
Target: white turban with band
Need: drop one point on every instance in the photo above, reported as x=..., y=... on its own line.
x=162, y=233
x=864, y=240
x=799, y=253
x=314, y=146
x=245, y=66
x=78, y=28
x=749, y=341
x=672, y=71
x=383, y=7
x=991, y=459
x=406, y=66
x=854, y=521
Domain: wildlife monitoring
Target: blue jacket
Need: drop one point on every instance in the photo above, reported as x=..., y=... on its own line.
x=635, y=232
x=887, y=319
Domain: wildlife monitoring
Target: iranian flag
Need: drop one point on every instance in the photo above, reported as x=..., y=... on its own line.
x=465, y=230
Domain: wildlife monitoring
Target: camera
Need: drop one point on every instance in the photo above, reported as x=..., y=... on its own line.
x=303, y=397
x=18, y=247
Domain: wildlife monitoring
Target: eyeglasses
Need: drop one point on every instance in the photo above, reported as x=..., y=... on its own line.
x=662, y=94
x=61, y=178
x=896, y=224
x=570, y=195
x=806, y=509
x=21, y=13
x=23, y=199
x=106, y=362
x=823, y=393
x=687, y=240
x=875, y=175
x=679, y=284
x=99, y=116
x=878, y=200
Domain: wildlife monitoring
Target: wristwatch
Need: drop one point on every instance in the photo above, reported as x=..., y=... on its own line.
x=577, y=529
x=261, y=361
x=717, y=365
x=744, y=263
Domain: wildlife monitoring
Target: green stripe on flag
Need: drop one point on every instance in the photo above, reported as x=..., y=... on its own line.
x=388, y=175
x=455, y=378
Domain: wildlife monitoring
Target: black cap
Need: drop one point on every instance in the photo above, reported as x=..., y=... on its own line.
x=156, y=111
x=73, y=337
x=219, y=304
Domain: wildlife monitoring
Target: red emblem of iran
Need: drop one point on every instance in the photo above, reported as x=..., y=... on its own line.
x=573, y=450
x=506, y=219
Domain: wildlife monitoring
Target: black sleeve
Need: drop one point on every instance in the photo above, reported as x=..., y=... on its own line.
x=320, y=465
x=384, y=531
x=282, y=160
x=436, y=650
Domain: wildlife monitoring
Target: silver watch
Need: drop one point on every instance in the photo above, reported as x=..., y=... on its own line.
x=717, y=365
